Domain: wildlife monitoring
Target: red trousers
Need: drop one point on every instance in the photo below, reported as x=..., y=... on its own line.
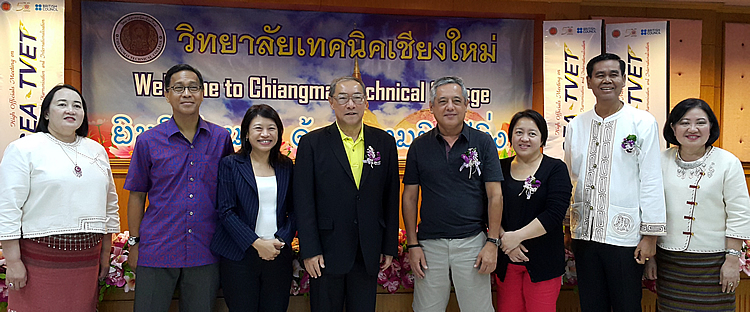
x=519, y=294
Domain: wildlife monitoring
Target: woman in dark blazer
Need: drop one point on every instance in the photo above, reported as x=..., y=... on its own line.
x=256, y=217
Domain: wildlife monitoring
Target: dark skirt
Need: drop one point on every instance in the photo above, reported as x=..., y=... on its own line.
x=57, y=279
x=690, y=282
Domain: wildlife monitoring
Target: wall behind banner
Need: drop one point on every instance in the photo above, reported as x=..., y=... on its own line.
x=711, y=45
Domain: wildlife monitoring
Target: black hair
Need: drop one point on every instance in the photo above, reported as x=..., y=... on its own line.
x=533, y=115
x=263, y=110
x=178, y=68
x=680, y=110
x=42, y=124
x=604, y=57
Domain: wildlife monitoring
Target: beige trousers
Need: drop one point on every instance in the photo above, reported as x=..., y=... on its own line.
x=453, y=259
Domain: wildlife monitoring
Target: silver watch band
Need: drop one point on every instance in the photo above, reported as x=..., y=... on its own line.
x=734, y=252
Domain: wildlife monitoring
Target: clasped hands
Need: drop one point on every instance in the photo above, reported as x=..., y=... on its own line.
x=512, y=246
x=268, y=249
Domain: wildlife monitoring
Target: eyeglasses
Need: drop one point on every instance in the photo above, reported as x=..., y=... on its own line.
x=180, y=89
x=357, y=98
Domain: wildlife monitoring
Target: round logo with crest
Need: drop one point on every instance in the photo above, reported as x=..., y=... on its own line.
x=139, y=38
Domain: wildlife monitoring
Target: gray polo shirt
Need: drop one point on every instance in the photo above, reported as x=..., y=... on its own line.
x=453, y=206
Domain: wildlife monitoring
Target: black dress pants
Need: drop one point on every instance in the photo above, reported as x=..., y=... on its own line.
x=356, y=290
x=609, y=279
x=256, y=285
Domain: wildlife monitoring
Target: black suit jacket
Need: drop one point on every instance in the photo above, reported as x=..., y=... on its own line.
x=334, y=216
x=237, y=206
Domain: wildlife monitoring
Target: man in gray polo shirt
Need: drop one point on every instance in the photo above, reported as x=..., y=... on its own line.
x=459, y=173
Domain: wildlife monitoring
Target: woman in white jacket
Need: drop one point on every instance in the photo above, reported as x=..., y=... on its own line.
x=58, y=210
x=708, y=215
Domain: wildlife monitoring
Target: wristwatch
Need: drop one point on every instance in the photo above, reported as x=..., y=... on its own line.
x=495, y=241
x=734, y=252
x=133, y=240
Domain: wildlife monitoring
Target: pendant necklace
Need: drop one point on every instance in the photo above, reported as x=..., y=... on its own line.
x=76, y=169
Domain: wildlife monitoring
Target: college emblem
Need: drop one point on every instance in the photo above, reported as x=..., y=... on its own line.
x=6, y=6
x=616, y=33
x=139, y=38
x=553, y=31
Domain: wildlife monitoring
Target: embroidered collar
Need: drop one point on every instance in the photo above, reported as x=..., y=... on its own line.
x=687, y=165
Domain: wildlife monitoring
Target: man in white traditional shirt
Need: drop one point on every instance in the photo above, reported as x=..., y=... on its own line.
x=618, y=205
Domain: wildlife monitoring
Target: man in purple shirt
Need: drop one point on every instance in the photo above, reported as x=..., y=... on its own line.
x=176, y=165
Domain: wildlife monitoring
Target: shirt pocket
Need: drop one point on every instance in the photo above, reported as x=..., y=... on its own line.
x=167, y=161
x=209, y=168
x=575, y=216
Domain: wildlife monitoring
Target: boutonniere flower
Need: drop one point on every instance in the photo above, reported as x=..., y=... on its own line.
x=471, y=161
x=628, y=144
x=530, y=186
x=373, y=157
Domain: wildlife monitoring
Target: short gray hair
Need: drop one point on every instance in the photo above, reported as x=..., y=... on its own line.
x=342, y=79
x=448, y=80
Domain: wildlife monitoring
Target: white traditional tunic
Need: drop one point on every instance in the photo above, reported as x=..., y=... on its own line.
x=707, y=201
x=40, y=194
x=618, y=195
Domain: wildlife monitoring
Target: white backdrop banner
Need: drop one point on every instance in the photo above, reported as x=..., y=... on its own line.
x=644, y=48
x=568, y=46
x=32, y=62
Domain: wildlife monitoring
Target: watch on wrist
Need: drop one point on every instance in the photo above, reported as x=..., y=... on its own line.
x=133, y=240
x=734, y=252
x=495, y=241
x=413, y=246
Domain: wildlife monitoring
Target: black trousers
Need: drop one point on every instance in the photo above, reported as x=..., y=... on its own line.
x=356, y=290
x=254, y=284
x=609, y=279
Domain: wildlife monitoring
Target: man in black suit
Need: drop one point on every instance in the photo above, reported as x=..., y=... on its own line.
x=346, y=196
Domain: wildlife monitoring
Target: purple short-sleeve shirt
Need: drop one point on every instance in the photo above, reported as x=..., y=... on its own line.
x=180, y=179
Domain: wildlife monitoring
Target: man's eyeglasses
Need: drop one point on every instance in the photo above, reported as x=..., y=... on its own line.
x=180, y=89
x=342, y=99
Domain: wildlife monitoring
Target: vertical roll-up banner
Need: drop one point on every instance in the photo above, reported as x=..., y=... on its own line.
x=568, y=46
x=645, y=49
x=32, y=62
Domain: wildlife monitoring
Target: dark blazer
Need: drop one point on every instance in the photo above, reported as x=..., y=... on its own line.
x=333, y=215
x=237, y=206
